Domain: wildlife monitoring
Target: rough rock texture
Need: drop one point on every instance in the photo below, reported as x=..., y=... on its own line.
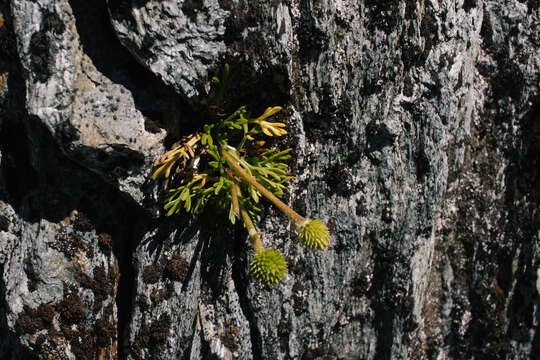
x=415, y=131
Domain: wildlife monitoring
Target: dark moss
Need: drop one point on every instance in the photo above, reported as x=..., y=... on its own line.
x=105, y=243
x=296, y=267
x=105, y=328
x=26, y=322
x=408, y=86
x=486, y=31
x=170, y=292
x=386, y=215
x=229, y=337
x=370, y=87
x=177, y=268
x=158, y=295
x=300, y=304
x=84, y=347
x=45, y=313
x=66, y=133
x=68, y=331
x=71, y=308
x=53, y=23
x=143, y=303
x=69, y=243
x=86, y=281
x=360, y=285
x=156, y=333
x=82, y=222
x=152, y=274
x=32, y=320
x=40, y=45
x=101, y=285
x=39, y=48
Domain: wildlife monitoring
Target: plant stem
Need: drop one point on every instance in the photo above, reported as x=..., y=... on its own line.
x=234, y=197
x=231, y=161
x=252, y=231
x=253, y=234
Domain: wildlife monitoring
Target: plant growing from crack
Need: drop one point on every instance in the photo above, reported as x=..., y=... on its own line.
x=226, y=163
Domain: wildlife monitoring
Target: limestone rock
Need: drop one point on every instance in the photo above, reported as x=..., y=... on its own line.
x=416, y=138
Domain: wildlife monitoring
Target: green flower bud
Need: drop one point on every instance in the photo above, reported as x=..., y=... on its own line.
x=268, y=267
x=314, y=235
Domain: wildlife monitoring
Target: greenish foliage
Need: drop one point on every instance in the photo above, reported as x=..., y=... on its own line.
x=196, y=173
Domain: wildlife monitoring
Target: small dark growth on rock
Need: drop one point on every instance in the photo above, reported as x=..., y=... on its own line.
x=177, y=268
x=151, y=274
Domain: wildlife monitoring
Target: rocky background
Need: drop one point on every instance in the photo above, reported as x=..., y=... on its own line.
x=415, y=128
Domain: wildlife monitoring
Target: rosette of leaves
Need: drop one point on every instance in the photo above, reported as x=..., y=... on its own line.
x=228, y=164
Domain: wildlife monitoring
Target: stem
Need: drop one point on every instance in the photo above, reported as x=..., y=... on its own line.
x=234, y=196
x=252, y=231
x=253, y=234
x=293, y=215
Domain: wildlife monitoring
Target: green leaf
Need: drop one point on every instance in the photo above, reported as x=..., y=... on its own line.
x=187, y=204
x=184, y=195
x=232, y=216
x=219, y=185
x=254, y=194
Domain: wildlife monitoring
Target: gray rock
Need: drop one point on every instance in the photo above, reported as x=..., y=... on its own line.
x=178, y=40
x=415, y=134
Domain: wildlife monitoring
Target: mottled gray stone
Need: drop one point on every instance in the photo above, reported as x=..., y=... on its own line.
x=82, y=107
x=416, y=138
x=178, y=40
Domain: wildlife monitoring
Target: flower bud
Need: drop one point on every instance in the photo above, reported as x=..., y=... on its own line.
x=268, y=267
x=314, y=235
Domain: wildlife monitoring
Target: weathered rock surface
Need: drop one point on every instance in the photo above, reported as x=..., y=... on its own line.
x=416, y=137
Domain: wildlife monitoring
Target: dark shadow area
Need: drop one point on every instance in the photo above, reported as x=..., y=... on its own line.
x=523, y=177
x=384, y=304
x=256, y=90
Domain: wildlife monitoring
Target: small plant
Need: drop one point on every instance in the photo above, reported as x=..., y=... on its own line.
x=227, y=164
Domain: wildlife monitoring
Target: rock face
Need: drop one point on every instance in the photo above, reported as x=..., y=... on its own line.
x=415, y=130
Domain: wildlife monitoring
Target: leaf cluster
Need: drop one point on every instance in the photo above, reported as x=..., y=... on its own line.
x=196, y=174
